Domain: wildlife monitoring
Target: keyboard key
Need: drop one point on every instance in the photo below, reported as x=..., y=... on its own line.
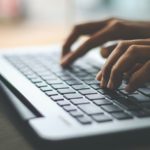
x=26, y=73
x=80, y=87
x=51, y=93
x=111, y=94
x=41, y=84
x=73, y=96
x=146, y=105
x=95, y=86
x=66, y=78
x=76, y=113
x=145, y=91
x=66, y=91
x=90, y=77
x=111, y=108
x=49, y=77
x=60, y=86
x=126, y=93
x=74, y=69
x=36, y=80
x=102, y=102
x=92, y=82
x=139, y=98
x=63, y=103
x=57, y=97
x=87, y=91
x=61, y=73
x=69, y=108
x=121, y=115
x=73, y=82
x=102, y=91
x=42, y=71
x=90, y=109
x=130, y=106
x=127, y=104
x=141, y=113
x=101, y=118
x=93, y=70
x=79, y=101
x=46, y=88
x=95, y=96
x=84, y=120
x=51, y=82
x=81, y=74
x=32, y=76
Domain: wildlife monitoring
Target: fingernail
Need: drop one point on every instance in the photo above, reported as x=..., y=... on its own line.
x=104, y=52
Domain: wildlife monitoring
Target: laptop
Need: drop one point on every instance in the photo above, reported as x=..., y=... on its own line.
x=67, y=107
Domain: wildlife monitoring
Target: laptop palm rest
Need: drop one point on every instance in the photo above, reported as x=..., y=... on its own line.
x=22, y=110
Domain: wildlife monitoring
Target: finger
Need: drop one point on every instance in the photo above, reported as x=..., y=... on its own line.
x=139, y=78
x=108, y=47
x=79, y=30
x=110, y=32
x=134, y=69
x=116, y=54
x=99, y=75
x=105, y=51
x=134, y=54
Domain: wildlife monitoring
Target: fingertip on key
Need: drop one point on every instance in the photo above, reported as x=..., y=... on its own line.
x=129, y=89
x=63, y=62
x=103, y=83
x=110, y=85
x=99, y=76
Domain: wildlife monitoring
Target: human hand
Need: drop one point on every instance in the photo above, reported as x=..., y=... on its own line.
x=100, y=33
x=131, y=57
x=108, y=30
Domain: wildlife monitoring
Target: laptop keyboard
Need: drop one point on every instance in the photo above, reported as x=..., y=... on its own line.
x=77, y=92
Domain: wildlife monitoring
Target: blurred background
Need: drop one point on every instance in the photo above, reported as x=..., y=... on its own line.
x=36, y=22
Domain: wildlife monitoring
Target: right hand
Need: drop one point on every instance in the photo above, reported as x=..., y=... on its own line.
x=130, y=58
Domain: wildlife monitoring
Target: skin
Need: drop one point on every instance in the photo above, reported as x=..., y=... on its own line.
x=130, y=57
